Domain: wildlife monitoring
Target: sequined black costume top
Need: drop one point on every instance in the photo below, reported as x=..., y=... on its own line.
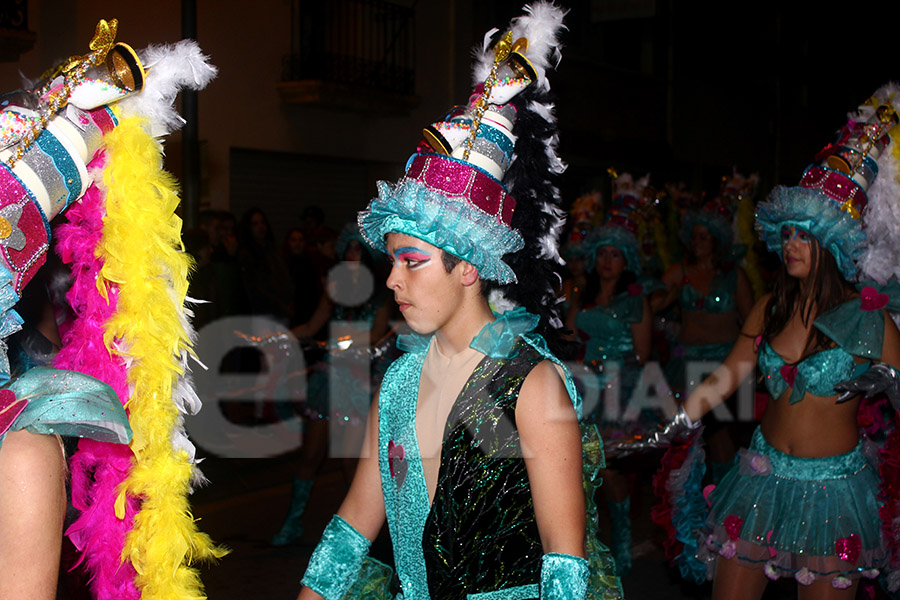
x=481, y=534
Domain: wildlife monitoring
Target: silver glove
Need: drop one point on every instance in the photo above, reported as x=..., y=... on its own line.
x=679, y=427
x=877, y=379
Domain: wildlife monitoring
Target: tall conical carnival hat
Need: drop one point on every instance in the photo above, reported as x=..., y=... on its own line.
x=852, y=178
x=621, y=226
x=481, y=188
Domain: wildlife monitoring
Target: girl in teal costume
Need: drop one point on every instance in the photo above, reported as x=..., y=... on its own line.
x=803, y=500
x=612, y=321
x=714, y=297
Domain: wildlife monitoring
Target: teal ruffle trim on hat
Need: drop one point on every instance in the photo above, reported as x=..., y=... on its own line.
x=611, y=235
x=451, y=224
x=805, y=209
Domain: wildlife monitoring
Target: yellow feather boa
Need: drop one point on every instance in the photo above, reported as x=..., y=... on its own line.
x=144, y=256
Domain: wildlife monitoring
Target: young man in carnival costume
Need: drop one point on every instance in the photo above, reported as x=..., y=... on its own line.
x=804, y=500
x=474, y=446
x=84, y=138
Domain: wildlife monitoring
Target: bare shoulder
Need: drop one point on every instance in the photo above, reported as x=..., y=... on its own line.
x=543, y=394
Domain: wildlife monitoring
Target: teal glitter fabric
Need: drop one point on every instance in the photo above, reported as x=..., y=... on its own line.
x=563, y=577
x=68, y=403
x=816, y=374
x=402, y=477
x=452, y=224
x=607, y=329
x=787, y=514
x=336, y=562
x=720, y=299
x=856, y=328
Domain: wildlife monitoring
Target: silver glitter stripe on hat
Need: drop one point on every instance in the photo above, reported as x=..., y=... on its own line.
x=42, y=165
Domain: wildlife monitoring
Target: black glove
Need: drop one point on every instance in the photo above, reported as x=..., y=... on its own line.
x=680, y=426
x=879, y=378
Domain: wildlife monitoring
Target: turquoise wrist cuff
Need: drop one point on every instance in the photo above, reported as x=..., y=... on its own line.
x=564, y=577
x=335, y=563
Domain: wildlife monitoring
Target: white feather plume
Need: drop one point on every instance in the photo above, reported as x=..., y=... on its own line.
x=541, y=25
x=881, y=260
x=170, y=68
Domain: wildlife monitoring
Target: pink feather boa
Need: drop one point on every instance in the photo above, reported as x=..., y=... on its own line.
x=97, y=468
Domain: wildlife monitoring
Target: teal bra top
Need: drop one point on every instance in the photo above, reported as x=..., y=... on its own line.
x=721, y=296
x=607, y=329
x=816, y=374
x=857, y=327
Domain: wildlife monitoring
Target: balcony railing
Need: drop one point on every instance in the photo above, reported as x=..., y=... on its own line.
x=367, y=46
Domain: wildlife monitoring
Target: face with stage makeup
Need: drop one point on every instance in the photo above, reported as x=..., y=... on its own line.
x=796, y=251
x=428, y=296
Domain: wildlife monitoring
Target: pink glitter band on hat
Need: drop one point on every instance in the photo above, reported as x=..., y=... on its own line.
x=835, y=185
x=457, y=179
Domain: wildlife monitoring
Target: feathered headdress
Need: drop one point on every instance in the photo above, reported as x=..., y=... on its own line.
x=130, y=328
x=483, y=187
x=848, y=198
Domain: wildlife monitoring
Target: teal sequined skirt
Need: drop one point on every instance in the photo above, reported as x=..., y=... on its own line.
x=800, y=517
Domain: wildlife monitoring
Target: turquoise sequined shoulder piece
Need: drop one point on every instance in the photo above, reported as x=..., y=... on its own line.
x=413, y=342
x=540, y=344
x=498, y=338
x=855, y=327
x=628, y=307
x=69, y=403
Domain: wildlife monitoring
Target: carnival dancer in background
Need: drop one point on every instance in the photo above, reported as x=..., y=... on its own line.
x=611, y=319
x=713, y=296
x=804, y=499
x=474, y=450
x=356, y=312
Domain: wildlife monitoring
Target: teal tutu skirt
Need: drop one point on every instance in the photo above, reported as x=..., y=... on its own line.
x=805, y=518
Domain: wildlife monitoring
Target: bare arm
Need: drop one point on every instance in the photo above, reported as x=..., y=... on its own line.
x=738, y=365
x=641, y=333
x=551, y=443
x=363, y=507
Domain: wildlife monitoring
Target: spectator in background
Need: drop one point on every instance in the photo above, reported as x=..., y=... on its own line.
x=305, y=276
x=265, y=276
x=203, y=284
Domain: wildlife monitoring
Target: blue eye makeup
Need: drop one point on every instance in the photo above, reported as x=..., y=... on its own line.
x=794, y=233
x=415, y=258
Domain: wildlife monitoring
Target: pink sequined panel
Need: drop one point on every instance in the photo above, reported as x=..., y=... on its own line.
x=456, y=179
x=22, y=263
x=836, y=185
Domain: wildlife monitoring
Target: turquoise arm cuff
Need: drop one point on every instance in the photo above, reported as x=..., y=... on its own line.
x=563, y=577
x=337, y=560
